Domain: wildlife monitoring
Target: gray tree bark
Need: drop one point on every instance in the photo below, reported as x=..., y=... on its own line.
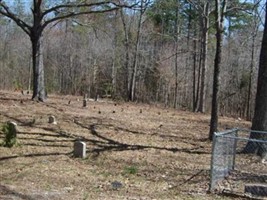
x=259, y=121
x=205, y=37
x=136, y=51
x=220, y=11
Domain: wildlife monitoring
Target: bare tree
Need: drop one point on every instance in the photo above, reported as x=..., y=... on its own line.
x=136, y=52
x=259, y=122
x=41, y=18
x=220, y=10
x=204, y=9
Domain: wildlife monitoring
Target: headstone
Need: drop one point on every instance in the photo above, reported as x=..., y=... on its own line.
x=79, y=149
x=13, y=128
x=256, y=189
x=10, y=134
x=52, y=120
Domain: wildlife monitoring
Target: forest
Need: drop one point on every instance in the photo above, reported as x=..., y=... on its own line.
x=120, y=99
x=160, y=51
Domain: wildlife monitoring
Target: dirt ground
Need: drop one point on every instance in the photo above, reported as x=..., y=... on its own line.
x=134, y=151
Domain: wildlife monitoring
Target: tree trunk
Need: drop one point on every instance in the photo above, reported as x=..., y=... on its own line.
x=205, y=37
x=176, y=54
x=127, y=55
x=259, y=121
x=217, y=63
x=136, y=52
x=30, y=76
x=252, y=65
x=248, y=114
x=198, y=79
x=194, y=75
x=114, y=61
x=37, y=53
x=38, y=69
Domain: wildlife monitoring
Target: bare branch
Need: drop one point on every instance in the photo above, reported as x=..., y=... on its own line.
x=85, y=5
x=113, y=6
x=73, y=14
x=6, y=12
x=197, y=6
x=243, y=7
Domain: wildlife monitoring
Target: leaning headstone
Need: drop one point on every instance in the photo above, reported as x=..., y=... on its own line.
x=10, y=131
x=79, y=149
x=52, y=120
x=256, y=189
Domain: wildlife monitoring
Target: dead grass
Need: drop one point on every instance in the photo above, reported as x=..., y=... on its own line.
x=157, y=154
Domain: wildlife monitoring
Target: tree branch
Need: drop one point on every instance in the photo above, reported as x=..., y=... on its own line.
x=73, y=14
x=85, y=5
x=6, y=12
x=68, y=14
x=197, y=6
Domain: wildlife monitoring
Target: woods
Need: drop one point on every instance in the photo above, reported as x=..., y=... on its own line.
x=116, y=99
x=154, y=52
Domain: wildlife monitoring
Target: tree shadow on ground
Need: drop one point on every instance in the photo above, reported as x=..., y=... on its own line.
x=248, y=177
x=14, y=119
x=101, y=143
x=34, y=155
x=108, y=144
x=5, y=191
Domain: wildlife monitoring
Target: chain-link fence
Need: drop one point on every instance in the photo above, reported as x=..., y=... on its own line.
x=239, y=162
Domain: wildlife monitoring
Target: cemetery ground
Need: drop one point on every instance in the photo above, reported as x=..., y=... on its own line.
x=134, y=151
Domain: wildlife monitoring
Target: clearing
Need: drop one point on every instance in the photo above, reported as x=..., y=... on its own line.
x=134, y=151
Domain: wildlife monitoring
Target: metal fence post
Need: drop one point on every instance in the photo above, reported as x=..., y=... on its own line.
x=234, y=148
x=212, y=181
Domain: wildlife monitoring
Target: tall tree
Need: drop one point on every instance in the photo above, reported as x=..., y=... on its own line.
x=204, y=44
x=255, y=27
x=176, y=47
x=259, y=121
x=41, y=17
x=136, y=50
x=204, y=10
x=220, y=9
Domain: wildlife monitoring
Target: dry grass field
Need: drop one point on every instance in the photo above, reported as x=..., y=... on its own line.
x=134, y=151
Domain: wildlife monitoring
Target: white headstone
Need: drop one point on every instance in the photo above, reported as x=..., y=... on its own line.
x=79, y=149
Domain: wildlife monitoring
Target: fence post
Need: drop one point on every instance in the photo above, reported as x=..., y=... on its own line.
x=212, y=182
x=234, y=148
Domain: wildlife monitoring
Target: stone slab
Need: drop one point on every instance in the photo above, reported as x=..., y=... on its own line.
x=79, y=149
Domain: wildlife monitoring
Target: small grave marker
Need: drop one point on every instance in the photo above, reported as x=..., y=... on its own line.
x=79, y=149
x=52, y=120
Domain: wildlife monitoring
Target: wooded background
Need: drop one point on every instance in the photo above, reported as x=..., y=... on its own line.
x=160, y=51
